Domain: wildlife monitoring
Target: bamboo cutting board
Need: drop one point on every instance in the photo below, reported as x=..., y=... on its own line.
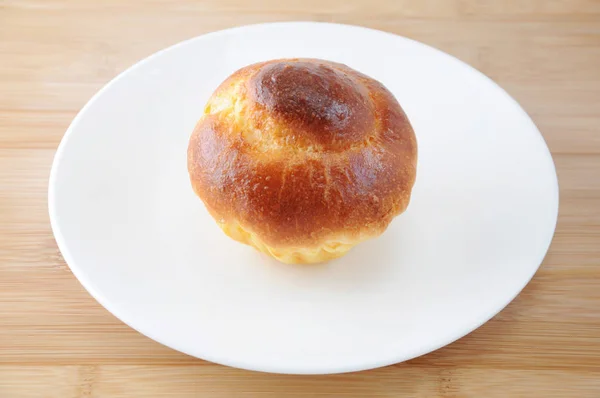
x=56, y=341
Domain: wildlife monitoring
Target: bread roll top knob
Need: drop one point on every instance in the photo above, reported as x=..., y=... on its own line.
x=322, y=105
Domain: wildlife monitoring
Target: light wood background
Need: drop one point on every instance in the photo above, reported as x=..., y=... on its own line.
x=56, y=341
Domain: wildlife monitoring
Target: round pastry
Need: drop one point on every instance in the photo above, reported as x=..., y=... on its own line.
x=302, y=158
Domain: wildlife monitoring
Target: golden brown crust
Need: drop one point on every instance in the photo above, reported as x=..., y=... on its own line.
x=299, y=151
x=321, y=103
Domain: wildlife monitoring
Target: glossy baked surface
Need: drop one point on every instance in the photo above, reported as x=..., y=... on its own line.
x=306, y=157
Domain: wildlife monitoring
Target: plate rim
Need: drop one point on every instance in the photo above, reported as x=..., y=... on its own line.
x=232, y=362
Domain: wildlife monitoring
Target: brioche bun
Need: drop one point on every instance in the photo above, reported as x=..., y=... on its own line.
x=302, y=158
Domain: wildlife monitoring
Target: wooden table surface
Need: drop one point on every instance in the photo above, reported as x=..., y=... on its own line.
x=56, y=341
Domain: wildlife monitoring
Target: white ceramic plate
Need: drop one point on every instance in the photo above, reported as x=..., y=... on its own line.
x=481, y=219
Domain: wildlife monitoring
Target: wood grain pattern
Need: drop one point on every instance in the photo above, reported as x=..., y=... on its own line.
x=56, y=341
